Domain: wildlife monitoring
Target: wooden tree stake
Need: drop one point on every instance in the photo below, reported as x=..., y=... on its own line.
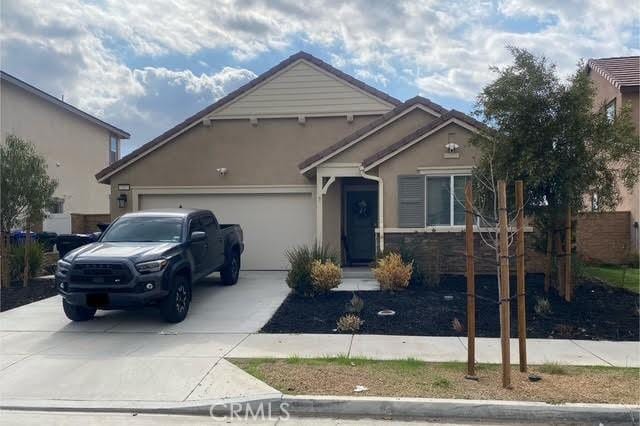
x=504, y=286
x=567, y=258
x=522, y=316
x=471, y=286
x=547, y=266
x=559, y=263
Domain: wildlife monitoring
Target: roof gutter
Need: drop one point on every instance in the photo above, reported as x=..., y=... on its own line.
x=380, y=206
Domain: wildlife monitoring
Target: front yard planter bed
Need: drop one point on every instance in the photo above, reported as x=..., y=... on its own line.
x=597, y=312
x=16, y=295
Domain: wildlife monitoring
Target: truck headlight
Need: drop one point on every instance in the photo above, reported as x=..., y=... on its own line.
x=63, y=266
x=152, y=266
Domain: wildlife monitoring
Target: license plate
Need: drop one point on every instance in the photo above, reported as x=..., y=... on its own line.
x=100, y=299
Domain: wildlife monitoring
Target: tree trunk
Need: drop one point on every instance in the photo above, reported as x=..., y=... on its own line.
x=5, y=276
x=567, y=258
x=27, y=243
x=549, y=262
x=559, y=264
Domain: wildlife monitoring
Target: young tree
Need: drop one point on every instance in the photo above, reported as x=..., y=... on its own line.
x=547, y=133
x=25, y=191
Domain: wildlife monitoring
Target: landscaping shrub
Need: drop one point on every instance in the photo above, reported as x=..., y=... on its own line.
x=300, y=260
x=424, y=273
x=349, y=323
x=457, y=326
x=542, y=306
x=553, y=368
x=16, y=260
x=325, y=276
x=392, y=272
x=355, y=305
x=633, y=260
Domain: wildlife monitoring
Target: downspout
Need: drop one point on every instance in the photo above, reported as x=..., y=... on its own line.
x=380, y=206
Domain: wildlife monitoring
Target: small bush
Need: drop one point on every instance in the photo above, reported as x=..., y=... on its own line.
x=349, y=323
x=564, y=330
x=16, y=260
x=457, y=326
x=441, y=382
x=553, y=368
x=325, y=276
x=392, y=273
x=300, y=260
x=355, y=305
x=633, y=260
x=542, y=306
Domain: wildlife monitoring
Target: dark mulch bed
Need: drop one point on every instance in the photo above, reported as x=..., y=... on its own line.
x=598, y=312
x=16, y=295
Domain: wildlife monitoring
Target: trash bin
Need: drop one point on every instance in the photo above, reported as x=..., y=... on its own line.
x=47, y=240
x=19, y=237
x=67, y=242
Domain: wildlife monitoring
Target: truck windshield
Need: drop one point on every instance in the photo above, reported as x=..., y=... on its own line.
x=145, y=229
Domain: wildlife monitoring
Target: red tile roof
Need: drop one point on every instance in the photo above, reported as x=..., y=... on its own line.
x=620, y=71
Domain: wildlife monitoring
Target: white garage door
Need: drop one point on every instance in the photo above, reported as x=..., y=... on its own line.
x=272, y=223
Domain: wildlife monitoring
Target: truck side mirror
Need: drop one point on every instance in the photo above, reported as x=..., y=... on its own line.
x=198, y=236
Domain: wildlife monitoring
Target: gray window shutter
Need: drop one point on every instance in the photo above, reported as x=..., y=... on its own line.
x=411, y=201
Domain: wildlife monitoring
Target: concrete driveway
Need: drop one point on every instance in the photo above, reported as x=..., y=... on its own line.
x=134, y=355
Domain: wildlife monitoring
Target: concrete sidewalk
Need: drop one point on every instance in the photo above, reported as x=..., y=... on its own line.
x=134, y=357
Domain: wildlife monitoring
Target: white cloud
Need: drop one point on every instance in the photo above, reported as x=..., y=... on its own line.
x=82, y=48
x=215, y=85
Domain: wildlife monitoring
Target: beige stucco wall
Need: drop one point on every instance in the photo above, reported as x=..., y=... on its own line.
x=75, y=149
x=266, y=154
x=605, y=92
x=331, y=217
x=426, y=153
x=384, y=137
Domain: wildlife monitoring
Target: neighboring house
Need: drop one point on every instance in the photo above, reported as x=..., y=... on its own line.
x=307, y=153
x=617, y=82
x=75, y=144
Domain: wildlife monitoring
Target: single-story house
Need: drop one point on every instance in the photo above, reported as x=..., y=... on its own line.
x=307, y=153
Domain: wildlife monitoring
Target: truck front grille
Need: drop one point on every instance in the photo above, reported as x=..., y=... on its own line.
x=100, y=273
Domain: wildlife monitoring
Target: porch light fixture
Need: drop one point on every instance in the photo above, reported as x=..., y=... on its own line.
x=122, y=201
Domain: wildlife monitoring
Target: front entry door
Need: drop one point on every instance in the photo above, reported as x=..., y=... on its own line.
x=362, y=218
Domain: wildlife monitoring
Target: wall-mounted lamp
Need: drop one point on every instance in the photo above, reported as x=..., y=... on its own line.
x=452, y=147
x=122, y=201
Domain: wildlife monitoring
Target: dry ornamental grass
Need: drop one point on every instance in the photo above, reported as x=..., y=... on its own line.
x=392, y=273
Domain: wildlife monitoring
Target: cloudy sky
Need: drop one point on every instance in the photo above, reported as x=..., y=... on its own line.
x=146, y=65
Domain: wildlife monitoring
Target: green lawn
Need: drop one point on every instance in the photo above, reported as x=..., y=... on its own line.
x=616, y=276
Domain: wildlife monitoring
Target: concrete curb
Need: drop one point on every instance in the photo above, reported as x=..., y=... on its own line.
x=337, y=406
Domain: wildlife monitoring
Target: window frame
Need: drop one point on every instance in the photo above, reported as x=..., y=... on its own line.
x=452, y=201
x=112, y=138
x=611, y=104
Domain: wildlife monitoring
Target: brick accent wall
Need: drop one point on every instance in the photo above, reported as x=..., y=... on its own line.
x=87, y=223
x=604, y=236
x=449, y=247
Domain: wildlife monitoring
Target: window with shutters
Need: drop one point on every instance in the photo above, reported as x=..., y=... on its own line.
x=427, y=201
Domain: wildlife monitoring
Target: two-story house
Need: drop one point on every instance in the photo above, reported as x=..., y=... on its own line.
x=617, y=83
x=75, y=144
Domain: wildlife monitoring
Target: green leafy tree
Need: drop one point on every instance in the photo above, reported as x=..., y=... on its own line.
x=547, y=133
x=26, y=191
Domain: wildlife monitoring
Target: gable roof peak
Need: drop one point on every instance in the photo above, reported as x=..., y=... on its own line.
x=426, y=102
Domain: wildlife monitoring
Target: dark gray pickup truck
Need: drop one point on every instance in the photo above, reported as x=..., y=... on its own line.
x=148, y=258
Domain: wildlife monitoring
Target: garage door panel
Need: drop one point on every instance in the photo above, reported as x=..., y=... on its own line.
x=272, y=223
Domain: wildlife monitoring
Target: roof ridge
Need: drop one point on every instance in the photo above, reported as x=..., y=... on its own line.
x=421, y=131
x=65, y=105
x=239, y=91
x=369, y=127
